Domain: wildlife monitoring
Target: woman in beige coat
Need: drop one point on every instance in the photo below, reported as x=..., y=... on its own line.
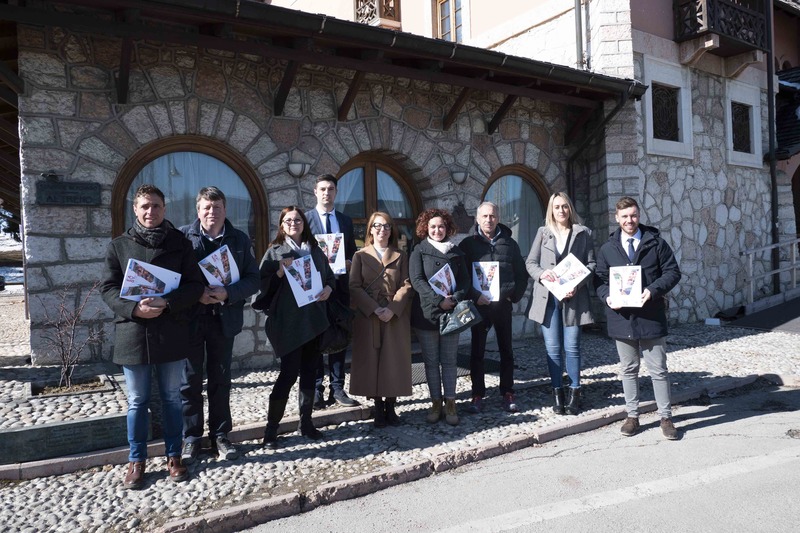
x=380, y=293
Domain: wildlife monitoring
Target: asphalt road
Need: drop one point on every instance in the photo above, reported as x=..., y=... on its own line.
x=736, y=469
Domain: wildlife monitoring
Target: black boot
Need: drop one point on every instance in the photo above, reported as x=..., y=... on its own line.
x=573, y=401
x=306, y=425
x=558, y=401
x=391, y=417
x=277, y=406
x=380, y=413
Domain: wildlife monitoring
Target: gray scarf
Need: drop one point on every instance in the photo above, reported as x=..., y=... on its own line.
x=152, y=236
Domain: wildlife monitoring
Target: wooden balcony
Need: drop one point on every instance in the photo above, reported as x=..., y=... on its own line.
x=381, y=13
x=740, y=25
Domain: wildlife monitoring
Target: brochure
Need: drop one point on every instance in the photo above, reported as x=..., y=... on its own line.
x=443, y=282
x=332, y=244
x=304, y=279
x=143, y=280
x=486, y=279
x=219, y=268
x=570, y=272
x=625, y=286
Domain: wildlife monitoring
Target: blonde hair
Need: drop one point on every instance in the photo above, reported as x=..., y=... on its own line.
x=392, y=236
x=550, y=220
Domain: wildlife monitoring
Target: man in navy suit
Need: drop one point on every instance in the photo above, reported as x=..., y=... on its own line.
x=325, y=219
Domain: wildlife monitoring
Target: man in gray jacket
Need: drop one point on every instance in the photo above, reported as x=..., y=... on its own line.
x=219, y=320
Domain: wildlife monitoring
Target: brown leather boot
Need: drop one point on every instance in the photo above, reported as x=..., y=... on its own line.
x=177, y=472
x=134, y=479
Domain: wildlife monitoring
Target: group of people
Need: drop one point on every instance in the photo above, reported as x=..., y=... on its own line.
x=189, y=332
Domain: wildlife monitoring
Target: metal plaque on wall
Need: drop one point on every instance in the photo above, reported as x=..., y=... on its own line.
x=67, y=193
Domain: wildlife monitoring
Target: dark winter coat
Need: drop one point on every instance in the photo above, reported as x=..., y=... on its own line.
x=163, y=339
x=543, y=256
x=425, y=261
x=288, y=326
x=231, y=311
x=505, y=250
x=660, y=274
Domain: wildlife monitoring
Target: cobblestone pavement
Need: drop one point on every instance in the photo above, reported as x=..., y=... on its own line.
x=93, y=500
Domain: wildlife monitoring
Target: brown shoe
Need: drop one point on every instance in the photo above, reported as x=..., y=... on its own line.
x=630, y=427
x=177, y=472
x=668, y=429
x=134, y=479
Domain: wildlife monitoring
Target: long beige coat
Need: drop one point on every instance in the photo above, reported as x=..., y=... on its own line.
x=381, y=364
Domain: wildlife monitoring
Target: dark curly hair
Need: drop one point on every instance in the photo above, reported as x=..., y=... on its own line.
x=425, y=217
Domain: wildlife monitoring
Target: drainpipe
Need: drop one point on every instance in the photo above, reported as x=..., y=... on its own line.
x=578, y=36
x=597, y=131
x=773, y=172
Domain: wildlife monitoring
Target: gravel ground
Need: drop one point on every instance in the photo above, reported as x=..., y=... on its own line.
x=93, y=500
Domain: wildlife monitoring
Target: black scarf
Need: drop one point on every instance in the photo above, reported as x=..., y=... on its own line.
x=152, y=236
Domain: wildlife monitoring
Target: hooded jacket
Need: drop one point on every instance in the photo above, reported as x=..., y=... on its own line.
x=660, y=274
x=505, y=250
x=163, y=339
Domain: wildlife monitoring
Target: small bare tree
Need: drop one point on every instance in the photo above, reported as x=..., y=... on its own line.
x=62, y=331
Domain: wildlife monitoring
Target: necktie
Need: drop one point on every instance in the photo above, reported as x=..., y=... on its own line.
x=631, y=251
x=328, y=223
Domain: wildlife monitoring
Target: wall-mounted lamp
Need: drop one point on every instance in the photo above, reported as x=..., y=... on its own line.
x=459, y=177
x=298, y=170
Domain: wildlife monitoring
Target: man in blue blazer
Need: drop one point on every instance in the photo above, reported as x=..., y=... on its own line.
x=325, y=219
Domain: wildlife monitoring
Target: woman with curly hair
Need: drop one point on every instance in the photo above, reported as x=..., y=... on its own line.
x=429, y=257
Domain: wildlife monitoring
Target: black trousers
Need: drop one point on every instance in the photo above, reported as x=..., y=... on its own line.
x=497, y=314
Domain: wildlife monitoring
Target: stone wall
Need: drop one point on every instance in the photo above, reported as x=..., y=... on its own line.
x=71, y=123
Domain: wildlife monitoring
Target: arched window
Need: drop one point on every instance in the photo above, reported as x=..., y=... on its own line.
x=370, y=183
x=522, y=198
x=180, y=167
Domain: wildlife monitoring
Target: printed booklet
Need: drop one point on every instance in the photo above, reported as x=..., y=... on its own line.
x=569, y=274
x=443, y=282
x=219, y=268
x=304, y=279
x=332, y=245
x=625, y=286
x=143, y=280
x=486, y=279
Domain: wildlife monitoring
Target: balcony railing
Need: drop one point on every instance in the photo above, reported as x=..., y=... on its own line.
x=740, y=24
x=383, y=13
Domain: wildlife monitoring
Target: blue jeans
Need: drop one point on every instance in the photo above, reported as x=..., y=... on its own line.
x=170, y=378
x=557, y=336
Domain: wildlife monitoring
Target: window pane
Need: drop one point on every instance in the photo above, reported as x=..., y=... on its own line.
x=520, y=208
x=350, y=194
x=180, y=175
x=740, y=117
x=391, y=197
x=665, y=113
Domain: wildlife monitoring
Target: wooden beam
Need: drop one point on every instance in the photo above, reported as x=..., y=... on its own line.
x=9, y=139
x=456, y=109
x=9, y=127
x=286, y=84
x=9, y=163
x=350, y=97
x=123, y=80
x=501, y=112
x=10, y=78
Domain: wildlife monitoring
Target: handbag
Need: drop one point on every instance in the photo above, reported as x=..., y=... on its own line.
x=464, y=315
x=338, y=335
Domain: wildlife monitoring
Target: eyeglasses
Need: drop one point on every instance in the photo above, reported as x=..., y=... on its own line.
x=378, y=226
x=292, y=221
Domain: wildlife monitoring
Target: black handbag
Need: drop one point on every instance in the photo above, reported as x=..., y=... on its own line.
x=338, y=335
x=464, y=315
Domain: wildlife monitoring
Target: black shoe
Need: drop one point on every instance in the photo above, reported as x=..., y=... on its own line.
x=380, y=413
x=341, y=398
x=558, y=401
x=391, y=416
x=225, y=450
x=306, y=425
x=190, y=451
x=573, y=401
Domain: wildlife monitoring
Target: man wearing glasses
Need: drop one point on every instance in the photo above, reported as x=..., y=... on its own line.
x=324, y=218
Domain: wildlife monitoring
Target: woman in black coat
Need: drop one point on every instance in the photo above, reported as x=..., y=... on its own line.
x=429, y=257
x=292, y=329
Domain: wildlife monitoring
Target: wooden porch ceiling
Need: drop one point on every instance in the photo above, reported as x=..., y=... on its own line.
x=253, y=27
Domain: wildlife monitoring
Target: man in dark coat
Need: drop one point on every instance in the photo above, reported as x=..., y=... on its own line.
x=152, y=334
x=219, y=320
x=640, y=331
x=492, y=241
x=325, y=219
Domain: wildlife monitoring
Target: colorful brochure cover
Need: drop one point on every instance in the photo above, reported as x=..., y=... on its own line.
x=570, y=272
x=443, y=282
x=625, y=286
x=219, y=268
x=332, y=244
x=486, y=279
x=304, y=279
x=143, y=280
